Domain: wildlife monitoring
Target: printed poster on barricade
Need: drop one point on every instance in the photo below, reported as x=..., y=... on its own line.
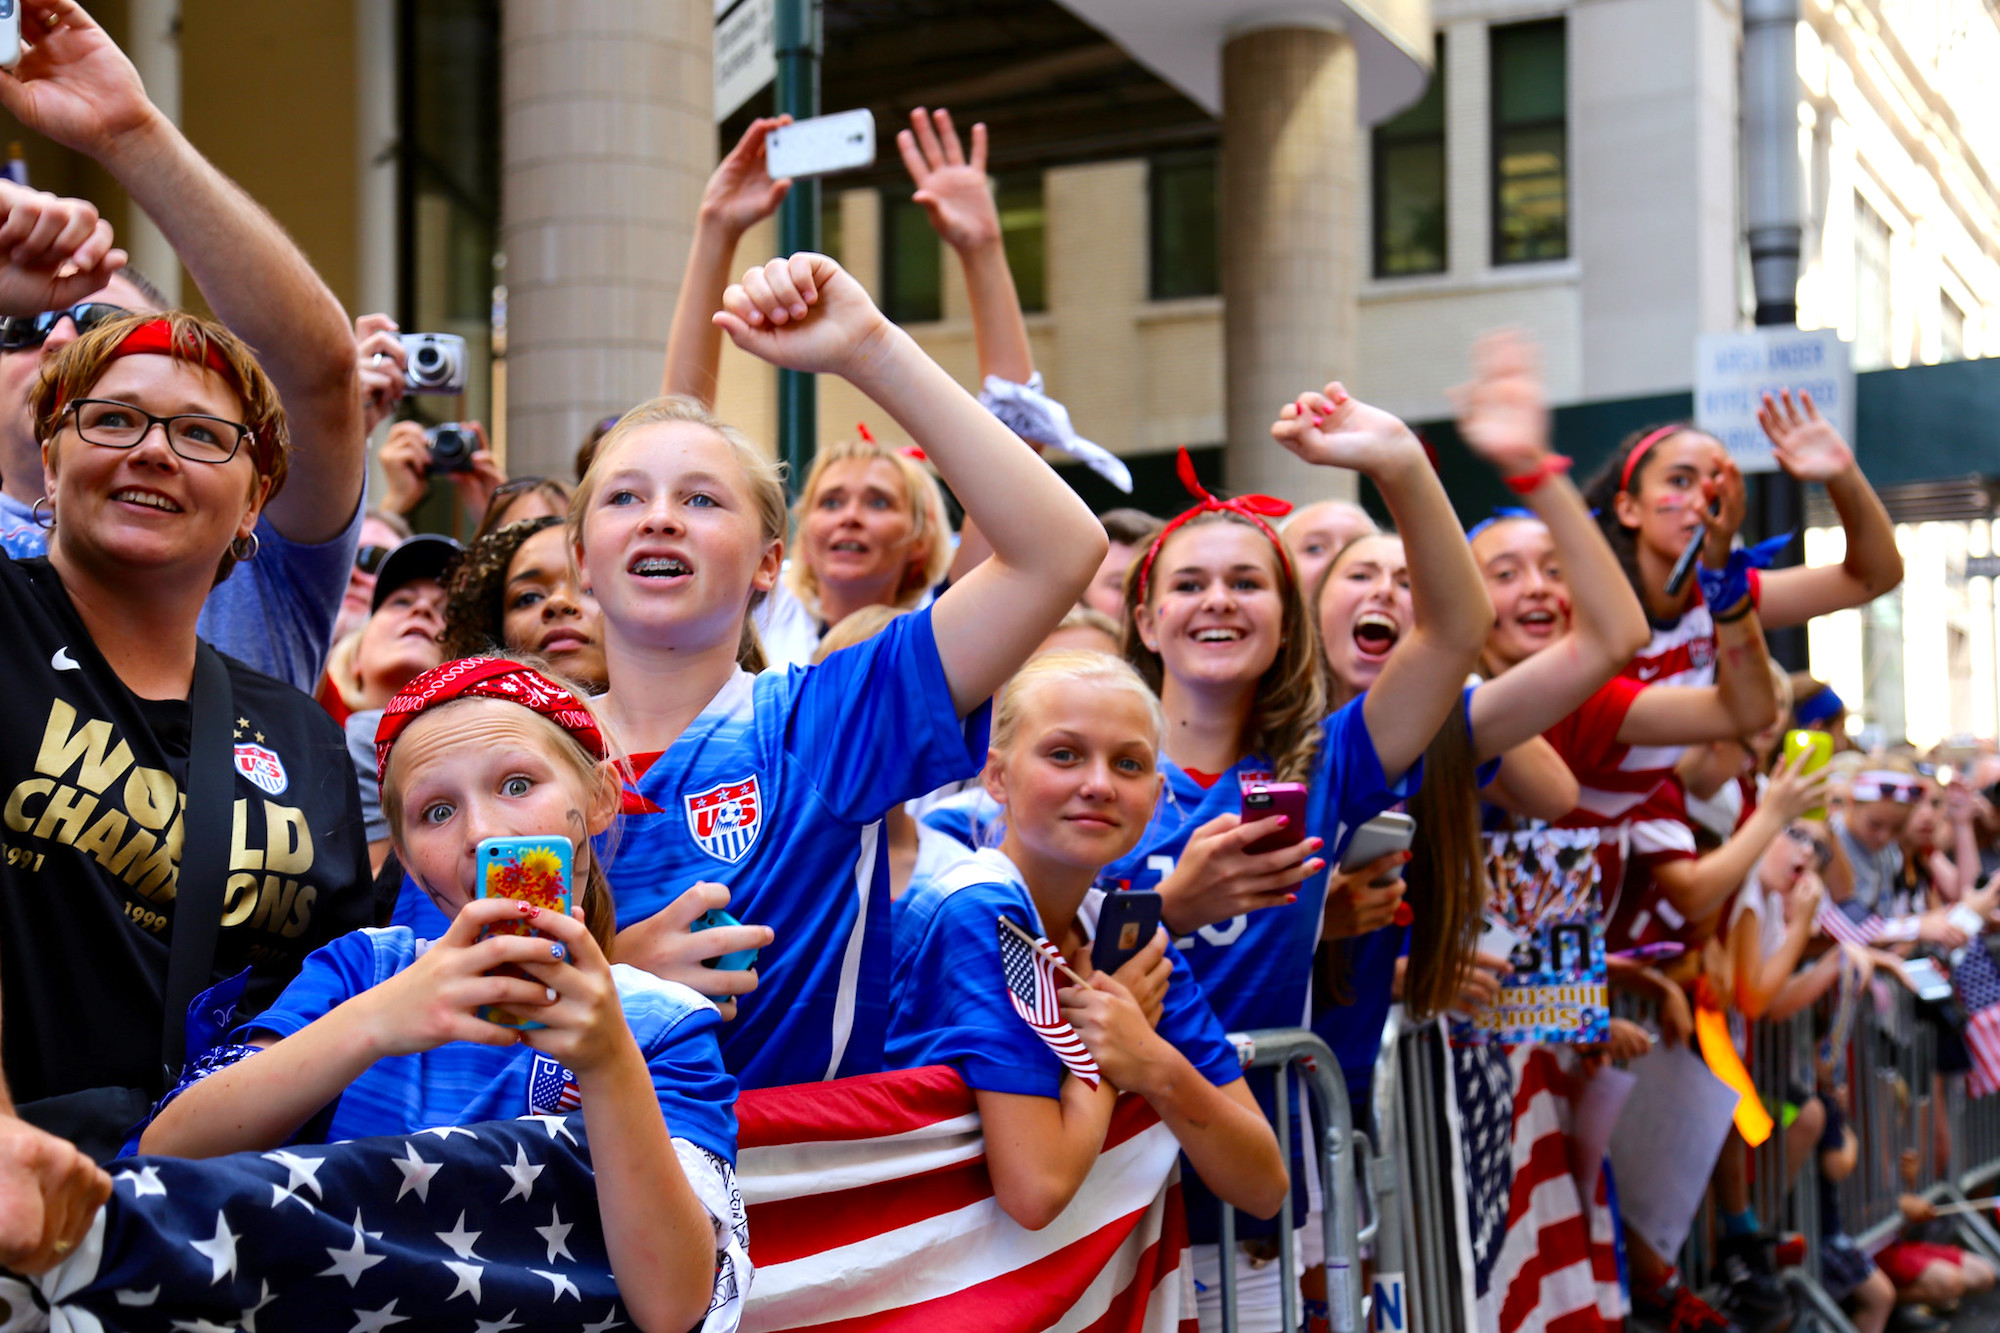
x=1544, y=914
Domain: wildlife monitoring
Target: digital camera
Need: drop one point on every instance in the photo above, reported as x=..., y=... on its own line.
x=435, y=363
x=452, y=444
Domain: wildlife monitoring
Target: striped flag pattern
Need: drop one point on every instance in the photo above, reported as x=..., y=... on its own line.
x=871, y=1210
x=1977, y=981
x=1543, y=1257
x=1844, y=929
x=1031, y=988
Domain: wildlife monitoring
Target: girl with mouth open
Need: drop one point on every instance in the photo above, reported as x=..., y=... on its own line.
x=771, y=782
x=1219, y=626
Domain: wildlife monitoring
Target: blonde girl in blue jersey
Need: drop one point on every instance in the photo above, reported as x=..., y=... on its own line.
x=769, y=784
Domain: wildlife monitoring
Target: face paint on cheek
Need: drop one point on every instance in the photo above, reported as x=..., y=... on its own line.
x=1562, y=607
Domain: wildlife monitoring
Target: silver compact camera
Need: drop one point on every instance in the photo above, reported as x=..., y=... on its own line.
x=435, y=363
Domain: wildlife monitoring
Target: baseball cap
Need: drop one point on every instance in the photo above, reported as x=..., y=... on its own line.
x=424, y=556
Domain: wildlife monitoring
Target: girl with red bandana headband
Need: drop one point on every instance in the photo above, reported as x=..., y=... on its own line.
x=1218, y=625
x=392, y=1037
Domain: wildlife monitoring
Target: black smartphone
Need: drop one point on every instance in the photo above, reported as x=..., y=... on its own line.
x=1126, y=925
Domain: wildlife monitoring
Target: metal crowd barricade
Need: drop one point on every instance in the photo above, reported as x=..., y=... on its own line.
x=1297, y=1049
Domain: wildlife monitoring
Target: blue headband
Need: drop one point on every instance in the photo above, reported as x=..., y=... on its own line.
x=1821, y=707
x=1500, y=515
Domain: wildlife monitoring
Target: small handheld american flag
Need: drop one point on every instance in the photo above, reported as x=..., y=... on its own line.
x=1029, y=963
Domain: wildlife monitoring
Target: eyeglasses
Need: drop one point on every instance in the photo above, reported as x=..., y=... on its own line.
x=1822, y=852
x=20, y=332
x=369, y=558
x=116, y=425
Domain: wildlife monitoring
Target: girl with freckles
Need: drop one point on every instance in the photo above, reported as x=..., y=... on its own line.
x=1074, y=766
x=392, y=1037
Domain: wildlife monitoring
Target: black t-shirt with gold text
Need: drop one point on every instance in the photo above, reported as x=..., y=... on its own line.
x=91, y=799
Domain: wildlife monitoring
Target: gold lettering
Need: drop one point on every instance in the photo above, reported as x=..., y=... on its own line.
x=242, y=856
x=301, y=912
x=138, y=844
x=239, y=899
x=274, y=903
x=288, y=843
x=156, y=876
x=17, y=815
x=64, y=744
x=101, y=839
x=151, y=797
x=67, y=810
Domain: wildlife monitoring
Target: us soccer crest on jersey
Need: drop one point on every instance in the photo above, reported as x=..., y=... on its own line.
x=725, y=819
x=263, y=767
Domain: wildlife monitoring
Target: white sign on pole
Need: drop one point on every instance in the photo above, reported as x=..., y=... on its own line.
x=746, y=52
x=1734, y=370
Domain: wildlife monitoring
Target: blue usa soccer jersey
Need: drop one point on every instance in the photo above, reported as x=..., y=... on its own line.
x=775, y=790
x=1257, y=969
x=948, y=1000
x=464, y=1083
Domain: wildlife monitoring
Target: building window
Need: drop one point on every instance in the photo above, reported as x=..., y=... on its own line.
x=1951, y=330
x=1024, y=230
x=1185, y=206
x=1872, y=243
x=1409, y=179
x=1530, y=148
x=912, y=268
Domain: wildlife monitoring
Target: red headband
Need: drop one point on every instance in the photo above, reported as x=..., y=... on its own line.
x=155, y=337
x=485, y=678
x=1250, y=508
x=1639, y=452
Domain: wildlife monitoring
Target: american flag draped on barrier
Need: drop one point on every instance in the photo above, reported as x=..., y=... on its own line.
x=1977, y=981
x=868, y=1200
x=1543, y=1259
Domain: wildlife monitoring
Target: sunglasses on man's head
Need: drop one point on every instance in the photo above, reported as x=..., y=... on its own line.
x=20, y=332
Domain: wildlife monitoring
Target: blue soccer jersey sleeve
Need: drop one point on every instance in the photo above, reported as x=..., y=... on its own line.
x=337, y=971
x=875, y=725
x=1349, y=787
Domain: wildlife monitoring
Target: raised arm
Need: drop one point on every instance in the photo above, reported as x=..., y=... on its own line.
x=1810, y=449
x=75, y=86
x=1699, y=886
x=1759, y=979
x=1533, y=780
x=53, y=252
x=740, y=194
x=809, y=314
x=1740, y=703
x=1502, y=417
x=956, y=195
x=1425, y=676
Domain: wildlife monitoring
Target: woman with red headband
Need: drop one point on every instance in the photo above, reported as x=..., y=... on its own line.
x=1219, y=626
x=162, y=440
x=1671, y=485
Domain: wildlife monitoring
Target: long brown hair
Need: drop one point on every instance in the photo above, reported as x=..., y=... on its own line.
x=1447, y=872
x=1290, y=703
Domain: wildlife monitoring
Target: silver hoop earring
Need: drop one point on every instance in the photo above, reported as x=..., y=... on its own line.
x=241, y=552
x=35, y=513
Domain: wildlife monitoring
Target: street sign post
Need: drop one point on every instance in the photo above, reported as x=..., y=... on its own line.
x=1734, y=370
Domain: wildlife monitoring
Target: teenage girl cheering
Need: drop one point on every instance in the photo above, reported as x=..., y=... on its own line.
x=1074, y=764
x=1655, y=494
x=774, y=783
x=1218, y=626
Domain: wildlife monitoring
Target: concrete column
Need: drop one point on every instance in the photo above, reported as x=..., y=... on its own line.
x=154, y=44
x=375, y=130
x=1290, y=188
x=608, y=134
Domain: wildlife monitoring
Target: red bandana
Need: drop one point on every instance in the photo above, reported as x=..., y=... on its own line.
x=1251, y=508
x=485, y=678
x=156, y=338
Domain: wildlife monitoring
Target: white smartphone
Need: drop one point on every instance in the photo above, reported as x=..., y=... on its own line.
x=816, y=147
x=1926, y=980
x=1376, y=839
x=10, y=33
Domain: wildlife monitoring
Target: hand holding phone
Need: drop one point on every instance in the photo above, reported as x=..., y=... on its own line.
x=1263, y=800
x=1379, y=837
x=1817, y=746
x=739, y=961
x=1126, y=924
x=535, y=871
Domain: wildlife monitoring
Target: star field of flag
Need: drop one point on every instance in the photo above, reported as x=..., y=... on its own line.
x=475, y=1230
x=1485, y=1087
x=1977, y=981
x=1031, y=987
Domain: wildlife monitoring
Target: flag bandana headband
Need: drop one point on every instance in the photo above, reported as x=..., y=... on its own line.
x=485, y=678
x=1887, y=785
x=1250, y=508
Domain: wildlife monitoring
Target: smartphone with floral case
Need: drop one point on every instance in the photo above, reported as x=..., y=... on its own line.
x=529, y=870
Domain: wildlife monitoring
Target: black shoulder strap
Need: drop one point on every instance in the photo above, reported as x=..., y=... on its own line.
x=205, y=841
